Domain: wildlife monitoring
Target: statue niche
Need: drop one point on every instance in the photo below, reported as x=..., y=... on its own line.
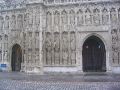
x=96, y=17
x=6, y=22
x=73, y=47
x=57, y=48
x=19, y=22
x=48, y=48
x=65, y=48
x=13, y=22
x=105, y=16
x=72, y=17
x=88, y=17
x=80, y=20
x=49, y=21
x=113, y=16
x=56, y=21
x=64, y=20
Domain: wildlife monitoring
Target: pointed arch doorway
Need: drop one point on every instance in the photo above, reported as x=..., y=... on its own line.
x=94, y=55
x=16, y=58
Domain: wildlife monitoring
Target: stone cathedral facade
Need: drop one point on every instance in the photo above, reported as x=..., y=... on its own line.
x=75, y=36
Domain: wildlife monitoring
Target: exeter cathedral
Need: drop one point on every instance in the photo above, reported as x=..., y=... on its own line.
x=60, y=36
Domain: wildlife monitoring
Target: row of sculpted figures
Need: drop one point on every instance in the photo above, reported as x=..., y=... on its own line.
x=57, y=19
x=59, y=49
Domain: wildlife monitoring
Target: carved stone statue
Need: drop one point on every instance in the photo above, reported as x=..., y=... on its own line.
x=114, y=36
x=65, y=48
x=80, y=20
x=105, y=16
x=113, y=15
x=6, y=22
x=5, y=55
x=72, y=17
x=49, y=20
x=13, y=22
x=48, y=48
x=56, y=48
x=96, y=17
x=88, y=17
x=19, y=22
x=73, y=48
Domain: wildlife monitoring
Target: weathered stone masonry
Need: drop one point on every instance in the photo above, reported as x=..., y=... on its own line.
x=51, y=33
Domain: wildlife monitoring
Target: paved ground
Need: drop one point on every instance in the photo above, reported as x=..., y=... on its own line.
x=22, y=81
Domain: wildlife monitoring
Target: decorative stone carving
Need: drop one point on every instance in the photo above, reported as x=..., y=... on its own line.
x=30, y=40
x=49, y=21
x=13, y=22
x=80, y=20
x=65, y=48
x=30, y=20
x=37, y=40
x=64, y=17
x=73, y=47
x=88, y=17
x=56, y=21
x=5, y=55
x=6, y=22
x=1, y=22
x=48, y=48
x=6, y=37
x=114, y=33
x=105, y=16
x=72, y=17
x=57, y=48
x=113, y=16
x=115, y=46
x=19, y=21
x=64, y=20
x=37, y=18
x=96, y=16
x=26, y=20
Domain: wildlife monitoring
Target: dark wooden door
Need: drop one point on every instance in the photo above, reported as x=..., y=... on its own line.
x=16, y=58
x=94, y=59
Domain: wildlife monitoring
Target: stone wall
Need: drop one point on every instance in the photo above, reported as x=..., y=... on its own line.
x=53, y=35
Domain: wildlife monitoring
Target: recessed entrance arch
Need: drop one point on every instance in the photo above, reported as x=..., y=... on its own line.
x=94, y=55
x=16, y=58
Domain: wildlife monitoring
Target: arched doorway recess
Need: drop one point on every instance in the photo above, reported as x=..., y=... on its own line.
x=16, y=58
x=94, y=55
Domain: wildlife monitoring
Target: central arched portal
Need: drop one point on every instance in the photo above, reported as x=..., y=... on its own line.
x=16, y=58
x=94, y=55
